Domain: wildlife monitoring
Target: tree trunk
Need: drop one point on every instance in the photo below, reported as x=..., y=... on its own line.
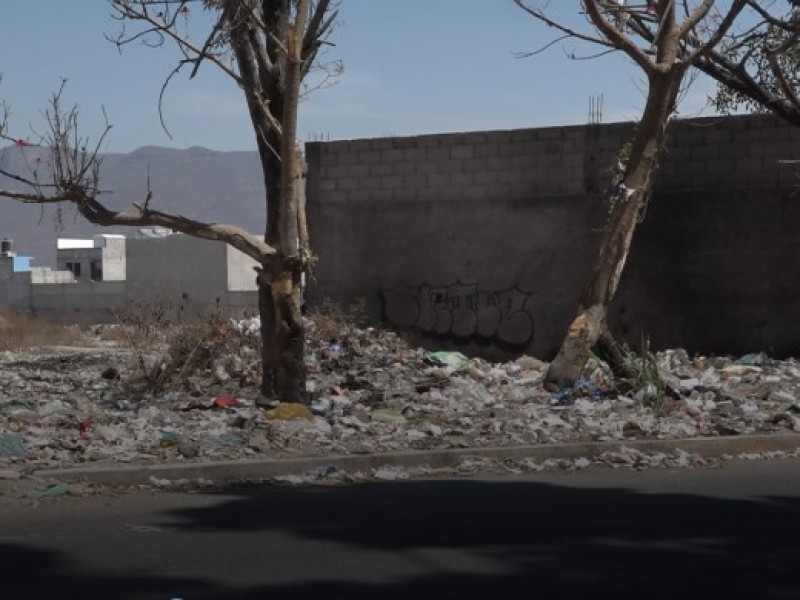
x=290, y=372
x=590, y=322
x=271, y=166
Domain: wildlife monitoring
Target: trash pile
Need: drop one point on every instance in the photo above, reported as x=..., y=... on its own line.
x=370, y=393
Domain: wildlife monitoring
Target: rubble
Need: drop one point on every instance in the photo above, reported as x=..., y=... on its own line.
x=370, y=393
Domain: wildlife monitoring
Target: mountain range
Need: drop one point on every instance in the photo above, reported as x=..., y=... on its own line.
x=198, y=183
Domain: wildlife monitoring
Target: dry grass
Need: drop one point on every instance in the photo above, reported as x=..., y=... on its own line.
x=19, y=332
x=332, y=322
x=171, y=344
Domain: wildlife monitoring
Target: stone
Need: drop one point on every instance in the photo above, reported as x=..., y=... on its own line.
x=390, y=473
x=387, y=415
x=11, y=445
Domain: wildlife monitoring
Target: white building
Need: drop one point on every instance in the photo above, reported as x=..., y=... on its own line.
x=110, y=271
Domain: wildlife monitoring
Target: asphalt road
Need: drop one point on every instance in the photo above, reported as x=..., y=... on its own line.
x=678, y=534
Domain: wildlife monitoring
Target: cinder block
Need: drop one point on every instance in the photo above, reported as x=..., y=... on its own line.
x=369, y=157
x=402, y=143
x=439, y=179
x=370, y=183
x=415, y=154
x=716, y=136
x=534, y=148
x=475, y=192
x=430, y=141
x=358, y=170
x=558, y=174
x=382, y=195
x=348, y=184
x=573, y=161
x=705, y=152
x=498, y=191
x=474, y=138
x=437, y=153
x=428, y=167
x=334, y=196
x=462, y=152
x=357, y=146
x=336, y=172
x=523, y=135
x=391, y=181
x=745, y=165
x=535, y=174
x=404, y=168
x=361, y=196
x=486, y=150
x=450, y=193
x=381, y=143
x=381, y=169
x=486, y=178
x=510, y=177
x=415, y=180
x=500, y=137
x=474, y=165
x=392, y=156
x=524, y=161
x=550, y=133
x=327, y=185
x=500, y=163
x=523, y=190
x=462, y=178
x=510, y=149
x=451, y=166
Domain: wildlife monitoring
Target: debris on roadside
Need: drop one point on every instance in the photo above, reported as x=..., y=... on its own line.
x=369, y=393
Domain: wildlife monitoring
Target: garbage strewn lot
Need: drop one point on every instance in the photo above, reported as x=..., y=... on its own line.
x=372, y=393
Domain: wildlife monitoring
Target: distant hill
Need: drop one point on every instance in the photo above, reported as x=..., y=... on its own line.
x=196, y=182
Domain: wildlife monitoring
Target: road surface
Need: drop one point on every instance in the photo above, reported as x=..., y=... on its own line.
x=708, y=533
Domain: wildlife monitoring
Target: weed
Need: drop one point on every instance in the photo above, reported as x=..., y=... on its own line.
x=170, y=345
x=646, y=381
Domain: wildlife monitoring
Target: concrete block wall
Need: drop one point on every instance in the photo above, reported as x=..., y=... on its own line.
x=435, y=232
x=482, y=166
x=746, y=152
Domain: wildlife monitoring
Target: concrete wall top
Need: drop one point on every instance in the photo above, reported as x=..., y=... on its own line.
x=710, y=152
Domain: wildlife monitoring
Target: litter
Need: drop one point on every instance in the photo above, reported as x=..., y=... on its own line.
x=289, y=411
x=376, y=395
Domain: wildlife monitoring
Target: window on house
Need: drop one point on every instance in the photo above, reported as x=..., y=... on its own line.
x=75, y=267
x=97, y=270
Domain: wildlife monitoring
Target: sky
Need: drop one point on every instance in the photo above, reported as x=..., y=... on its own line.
x=410, y=67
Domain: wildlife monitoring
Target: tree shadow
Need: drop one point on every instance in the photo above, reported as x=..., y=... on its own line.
x=471, y=539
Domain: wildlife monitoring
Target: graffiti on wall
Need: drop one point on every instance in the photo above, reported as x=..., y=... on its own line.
x=462, y=311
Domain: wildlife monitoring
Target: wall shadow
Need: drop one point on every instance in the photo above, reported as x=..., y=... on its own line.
x=548, y=540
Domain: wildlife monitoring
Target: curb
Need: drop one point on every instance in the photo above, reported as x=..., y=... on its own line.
x=229, y=471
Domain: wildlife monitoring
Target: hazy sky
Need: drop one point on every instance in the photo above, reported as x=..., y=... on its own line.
x=411, y=67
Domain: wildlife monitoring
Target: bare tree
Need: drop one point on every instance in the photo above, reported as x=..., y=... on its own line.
x=759, y=66
x=756, y=64
x=267, y=47
x=683, y=32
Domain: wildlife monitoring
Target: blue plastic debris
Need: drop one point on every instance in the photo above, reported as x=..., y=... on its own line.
x=582, y=388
